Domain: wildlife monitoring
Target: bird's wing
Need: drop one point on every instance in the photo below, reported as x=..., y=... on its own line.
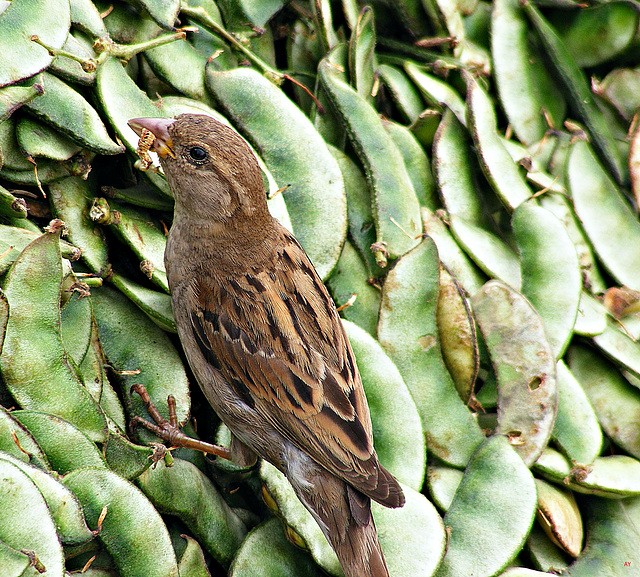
x=281, y=345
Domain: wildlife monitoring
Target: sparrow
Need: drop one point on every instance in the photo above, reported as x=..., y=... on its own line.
x=263, y=337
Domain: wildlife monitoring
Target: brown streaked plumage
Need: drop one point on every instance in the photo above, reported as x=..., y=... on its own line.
x=264, y=339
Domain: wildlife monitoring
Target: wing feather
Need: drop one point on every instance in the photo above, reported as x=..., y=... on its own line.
x=284, y=350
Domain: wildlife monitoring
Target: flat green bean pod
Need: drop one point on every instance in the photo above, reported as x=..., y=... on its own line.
x=443, y=482
x=69, y=112
x=12, y=155
x=615, y=401
x=417, y=164
x=164, y=12
x=395, y=206
x=65, y=446
x=545, y=555
x=496, y=162
x=181, y=66
x=121, y=101
x=402, y=452
x=70, y=69
x=48, y=171
x=75, y=328
x=295, y=154
x=578, y=93
x=303, y=53
x=408, y=333
x=524, y=365
x=25, y=523
x=61, y=502
x=576, y=430
x=14, y=562
x=362, y=54
x=13, y=206
x=362, y=230
x=349, y=278
x=85, y=17
x=451, y=255
x=562, y=207
x=524, y=85
x=612, y=477
x=425, y=125
x=267, y=552
x=456, y=172
x=141, y=194
x=610, y=223
x=592, y=316
x=157, y=305
x=192, y=563
x=183, y=490
x=37, y=139
x=33, y=361
x=22, y=58
x=132, y=530
x=13, y=97
x=491, y=512
x=147, y=241
x=95, y=378
x=600, y=33
x=403, y=92
x=522, y=572
x=487, y=250
x=612, y=533
x=619, y=347
x=26, y=449
x=620, y=89
x=435, y=91
x=551, y=278
x=124, y=457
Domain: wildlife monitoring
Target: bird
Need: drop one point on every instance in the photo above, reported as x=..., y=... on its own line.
x=263, y=337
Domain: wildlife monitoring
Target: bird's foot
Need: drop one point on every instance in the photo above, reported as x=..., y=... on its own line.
x=168, y=430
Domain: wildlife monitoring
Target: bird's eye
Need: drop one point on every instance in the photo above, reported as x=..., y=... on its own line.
x=198, y=153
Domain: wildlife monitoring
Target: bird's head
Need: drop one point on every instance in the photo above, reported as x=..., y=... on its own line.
x=212, y=172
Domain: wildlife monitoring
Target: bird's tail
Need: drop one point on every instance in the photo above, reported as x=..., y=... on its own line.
x=344, y=515
x=360, y=554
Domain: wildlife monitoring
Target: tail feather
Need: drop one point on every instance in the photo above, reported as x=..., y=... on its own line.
x=344, y=515
x=360, y=554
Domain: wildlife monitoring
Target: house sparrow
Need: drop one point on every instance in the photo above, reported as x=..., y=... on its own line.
x=263, y=337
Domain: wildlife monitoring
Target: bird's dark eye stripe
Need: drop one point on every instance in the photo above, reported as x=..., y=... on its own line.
x=197, y=153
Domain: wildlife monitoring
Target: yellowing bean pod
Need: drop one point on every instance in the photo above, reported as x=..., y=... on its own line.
x=408, y=333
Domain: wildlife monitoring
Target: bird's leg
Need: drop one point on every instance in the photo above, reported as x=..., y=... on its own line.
x=168, y=430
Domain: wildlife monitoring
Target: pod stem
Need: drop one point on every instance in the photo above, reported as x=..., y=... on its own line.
x=107, y=47
x=88, y=64
x=201, y=16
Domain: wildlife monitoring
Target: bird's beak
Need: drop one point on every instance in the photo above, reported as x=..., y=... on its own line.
x=159, y=127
